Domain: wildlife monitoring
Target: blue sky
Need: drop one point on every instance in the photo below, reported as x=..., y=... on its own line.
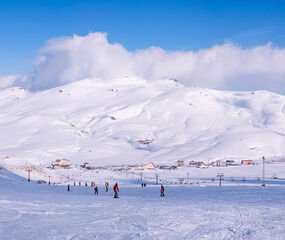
x=172, y=25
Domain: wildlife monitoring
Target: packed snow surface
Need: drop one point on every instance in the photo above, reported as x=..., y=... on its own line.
x=204, y=211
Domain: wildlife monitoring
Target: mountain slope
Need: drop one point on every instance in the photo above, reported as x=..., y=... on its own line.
x=102, y=123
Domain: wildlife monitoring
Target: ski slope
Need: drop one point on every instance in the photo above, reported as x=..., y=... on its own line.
x=101, y=122
x=43, y=212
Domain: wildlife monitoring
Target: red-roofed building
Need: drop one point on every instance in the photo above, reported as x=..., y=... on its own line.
x=247, y=162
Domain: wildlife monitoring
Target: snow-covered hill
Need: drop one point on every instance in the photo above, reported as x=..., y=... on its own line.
x=109, y=122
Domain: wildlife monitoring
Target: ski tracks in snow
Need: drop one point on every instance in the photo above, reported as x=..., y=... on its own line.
x=45, y=212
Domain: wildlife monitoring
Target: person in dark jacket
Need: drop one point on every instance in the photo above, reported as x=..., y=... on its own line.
x=68, y=187
x=116, y=190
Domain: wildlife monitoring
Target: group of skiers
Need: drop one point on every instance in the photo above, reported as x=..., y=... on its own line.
x=116, y=189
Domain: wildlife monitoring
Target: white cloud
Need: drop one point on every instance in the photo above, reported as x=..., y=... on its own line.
x=8, y=81
x=227, y=66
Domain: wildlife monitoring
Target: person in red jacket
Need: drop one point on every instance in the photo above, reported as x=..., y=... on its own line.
x=162, y=191
x=116, y=190
x=96, y=190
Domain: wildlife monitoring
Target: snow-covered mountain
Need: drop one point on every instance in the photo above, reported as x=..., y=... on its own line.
x=133, y=121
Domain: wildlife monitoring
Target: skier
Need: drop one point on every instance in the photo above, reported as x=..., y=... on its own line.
x=116, y=190
x=144, y=184
x=68, y=187
x=162, y=191
x=107, y=186
x=96, y=190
